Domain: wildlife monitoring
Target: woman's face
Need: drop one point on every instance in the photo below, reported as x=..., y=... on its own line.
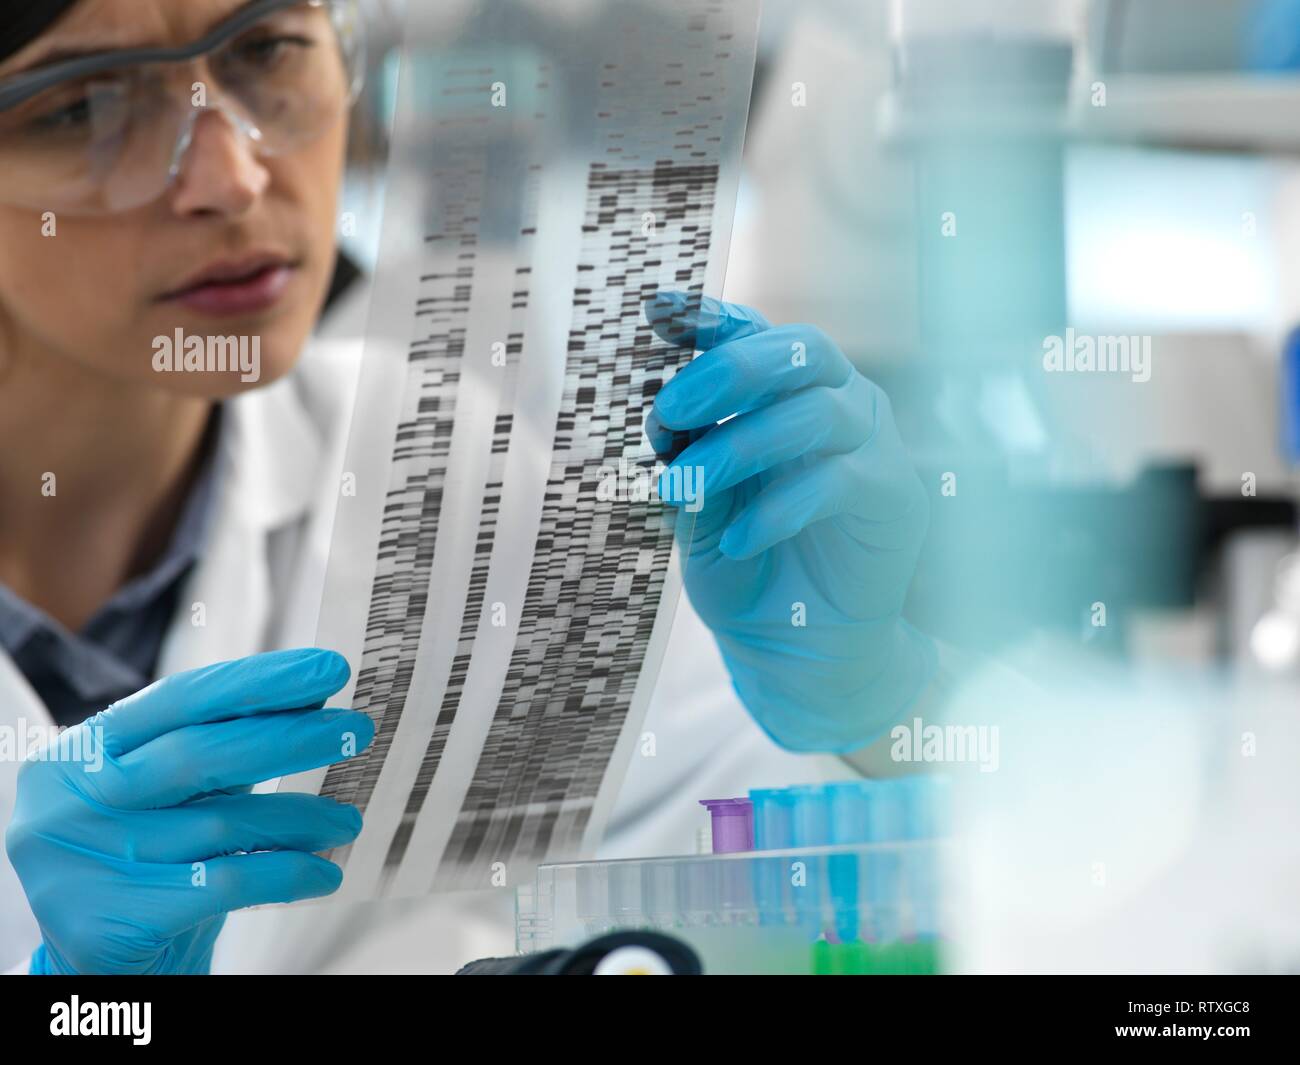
x=98, y=293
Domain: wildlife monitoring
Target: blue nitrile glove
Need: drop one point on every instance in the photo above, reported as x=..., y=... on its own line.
x=131, y=865
x=1271, y=36
x=811, y=523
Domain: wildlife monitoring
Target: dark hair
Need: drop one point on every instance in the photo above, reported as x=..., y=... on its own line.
x=33, y=18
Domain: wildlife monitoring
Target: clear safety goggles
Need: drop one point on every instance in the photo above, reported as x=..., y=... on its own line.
x=106, y=133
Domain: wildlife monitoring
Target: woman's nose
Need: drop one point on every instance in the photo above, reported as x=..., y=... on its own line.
x=219, y=172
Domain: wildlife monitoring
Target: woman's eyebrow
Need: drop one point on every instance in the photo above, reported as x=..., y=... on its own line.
x=61, y=52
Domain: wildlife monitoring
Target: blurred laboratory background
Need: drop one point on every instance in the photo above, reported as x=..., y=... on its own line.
x=943, y=188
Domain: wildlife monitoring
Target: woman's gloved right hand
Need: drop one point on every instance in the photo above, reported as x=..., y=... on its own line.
x=141, y=835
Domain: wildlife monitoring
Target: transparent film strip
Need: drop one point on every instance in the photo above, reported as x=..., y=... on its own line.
x=498, y=579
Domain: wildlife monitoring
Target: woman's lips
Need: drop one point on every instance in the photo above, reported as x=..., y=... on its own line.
x=258, y=291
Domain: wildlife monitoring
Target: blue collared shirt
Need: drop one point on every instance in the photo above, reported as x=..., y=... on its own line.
x=116, y=652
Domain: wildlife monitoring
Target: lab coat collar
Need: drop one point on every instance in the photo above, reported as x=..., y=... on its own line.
x=268, y=467
x=269, y=449
x=18, y=700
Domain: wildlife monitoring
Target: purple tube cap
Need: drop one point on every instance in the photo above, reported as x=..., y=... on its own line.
x=733, y=824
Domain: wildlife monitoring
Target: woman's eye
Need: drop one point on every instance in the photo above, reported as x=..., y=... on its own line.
x=69, y=117
x=266, y=51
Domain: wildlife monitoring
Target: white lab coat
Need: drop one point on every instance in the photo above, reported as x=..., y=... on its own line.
x=259, y=579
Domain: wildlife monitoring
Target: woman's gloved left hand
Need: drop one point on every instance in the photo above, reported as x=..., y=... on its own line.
x=812, y=518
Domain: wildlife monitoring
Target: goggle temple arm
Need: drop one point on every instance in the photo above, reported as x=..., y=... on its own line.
x=23, y=87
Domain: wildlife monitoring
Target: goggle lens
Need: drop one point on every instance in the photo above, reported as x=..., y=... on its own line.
x=114, y=140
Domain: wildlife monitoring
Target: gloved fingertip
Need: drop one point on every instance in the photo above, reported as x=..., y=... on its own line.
x=314, y=667
x=332, y=664
x=674, y=316
x=659, y=439
x=329, y=876
x=364, y=727
x=666, y=411
x=666, y=299
x=664, y=487
x=733, y=545
x=346, y=822
x=354, y=727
